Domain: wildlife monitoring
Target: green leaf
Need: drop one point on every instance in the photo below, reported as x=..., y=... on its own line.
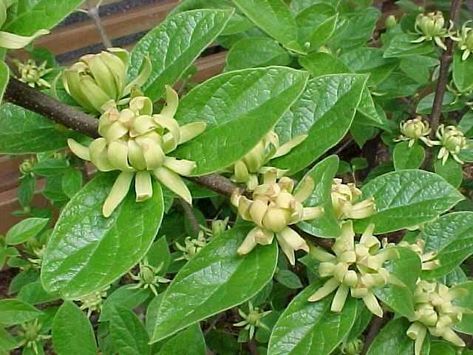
x=407, y=198
x=371, y=116
x=323, y=32
x=322, y=174
x=462, y=72
x=256, y=52
x=26, y=229
x=34, y=293
x=392, y=339
x=239, y=108
x=123, y=297
x=72, y=332
x=86, y=250
x=320, y=63
x=4, y=77
x=401, y=46
x=24, y=132
x=407, y=269
x=325, y=112
x=406, y=157
x=288, y=279
x=174, y=45
x=128, y=334
x=188, y=341
x=13, y=312
x=212, y=282
x=32, y=16
x=465, y=300
x=72, y=182
x=310, y=327
x=50, y=167
x=451, y=237
x=274, y=18
x=441, y=347
x=159, y=254
x=7, y=342
x=451, y=171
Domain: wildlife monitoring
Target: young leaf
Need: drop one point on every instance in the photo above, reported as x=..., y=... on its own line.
x=24, y=230
x=239, y=108
x=273, y=17
x=72, y=332
x=87, y=251
x=452, y=171
x=13, y=312
x=407, y=269
x=212, y=282
x=322, y=174
x=406, y=198
x=123, y=297
x=325, y=112
x=310, y=327
x=451, y=237
x=128, y=334
x=462, y=72
x=23, y=132
x=406, y=157
x=188, y=341
x=32, y=16
x=174, y=45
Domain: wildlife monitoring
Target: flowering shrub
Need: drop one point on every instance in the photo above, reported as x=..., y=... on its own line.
x=314, y=198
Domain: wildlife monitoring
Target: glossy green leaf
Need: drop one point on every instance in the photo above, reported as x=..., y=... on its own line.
x=188, y=341
x=4, y=77
x=123, y=297
x=34, y=293
x=407, y=269
x=212, y=282
x=320, y=63
x=452, y=171
x=406, y=157
x=323, y=32
x=407, y=198
x=85, y=251
x=174, y=45
x=72, y=182
x=310, y=327
x=401, y=46
x=239, y=108
x=274, y=18
x=462, y=72
x=14, y=311
x=159, y=254
x=72, y=332
x=465, y=300
x=442, y=347
x=322, y=174
x=392, y=339
x=32, y=16
x=26, y=229
x=325, y=112
x=7, y=342
x=451, y=236
x=288, y=279
x=369, y=113
x=256, y=52
x=128, y=334
x=23, y=132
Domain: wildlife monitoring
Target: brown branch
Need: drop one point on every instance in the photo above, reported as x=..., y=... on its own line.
x=190, y=216
x=217, y=183
x=22, y=95
x=373, y=330
x=445, y=61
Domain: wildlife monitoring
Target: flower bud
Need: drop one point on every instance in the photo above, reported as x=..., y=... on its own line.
x=465, y=41
x=452, y=141
x=390, y=22
x=431, y=27
x=344, y=201
x=32, y=74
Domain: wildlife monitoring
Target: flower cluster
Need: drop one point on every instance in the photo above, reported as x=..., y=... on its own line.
x=345, y=201
x=32, y=74
x=136, y=142
x=357, y=268
x=436, y=313
x=273, y=207
x=431, y=27
x=413, y=130
x=97, y=79
x=246, y=170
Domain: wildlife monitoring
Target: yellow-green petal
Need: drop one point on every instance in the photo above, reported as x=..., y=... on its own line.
x=117, y=193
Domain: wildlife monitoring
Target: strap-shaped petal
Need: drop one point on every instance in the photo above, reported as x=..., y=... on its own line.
x=118, y=69
x=249, y=243
x=289, y=241
x=290, y=145
x=172, y=101
x=102, y=74
x=182, y=167
x=115, y=131
x=373, y=305
x=339, y=299
x=143, y=186
x=346, y=240
x=257, y=211
x=144, y=74
x=172, y=126
x=142, y=125
x=135, y=155
x=152, y=152
x=94, y=94
x=241, y=173
x=329, y=286
x=71, y=82
x=141, y=105
x=117, y=193
x=99, y=155
x=305, y=189
x=191, y=130
x=173, y=182
x=13, y=41
x=78, y=149
x=118, y=155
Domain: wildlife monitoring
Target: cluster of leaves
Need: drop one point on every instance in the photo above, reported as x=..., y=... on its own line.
x=143, y=282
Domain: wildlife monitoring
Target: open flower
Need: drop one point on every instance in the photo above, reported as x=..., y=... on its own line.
x=99, y=78
x=345, y=202
x=246, y=170
x=354, y=267
x=32, y=74
x=273, y=208
x=429, y=260
x=465, y=40
x=413, y=130
x=431, y=27
x=136, y=142
x=452, y=140
x=436, y=313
